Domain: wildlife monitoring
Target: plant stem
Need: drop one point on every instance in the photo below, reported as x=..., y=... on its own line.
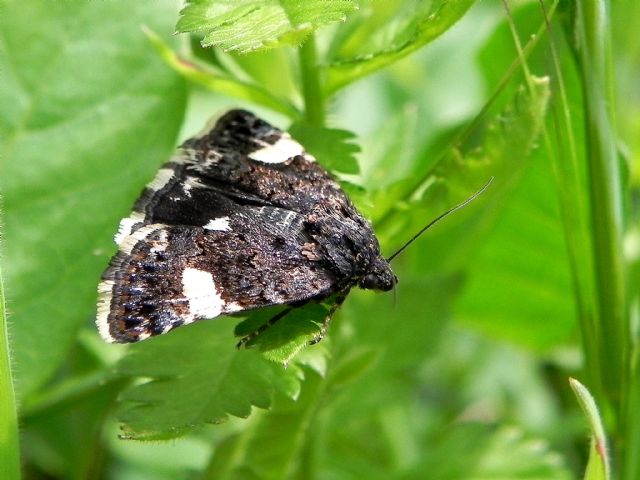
x=606, y=207
x=563, y=152
x=311, y=89
x=9, y=438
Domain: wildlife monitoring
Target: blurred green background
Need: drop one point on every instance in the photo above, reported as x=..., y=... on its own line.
x=463, y=372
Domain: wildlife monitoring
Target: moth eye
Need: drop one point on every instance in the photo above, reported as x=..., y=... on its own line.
x=370, y=282
x=378, y=281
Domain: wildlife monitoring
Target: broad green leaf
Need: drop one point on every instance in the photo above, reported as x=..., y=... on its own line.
x=282, y=341
x=177, y=459
x=88, y=113
x=202, y=379
x=424, y=405
x=352, y=365
x=249, y=25
x=219, y=82
x=67, y=440
x=484, y=453
x=501, y=148
x=387, y=32
x=9, y=437
x=284, y=428
x=332, y=147
x=521, y=291
x=531, y=273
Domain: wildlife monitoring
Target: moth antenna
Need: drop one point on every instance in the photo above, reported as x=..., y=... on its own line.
x=440, y=217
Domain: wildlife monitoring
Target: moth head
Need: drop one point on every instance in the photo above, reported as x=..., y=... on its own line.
x=380, y=278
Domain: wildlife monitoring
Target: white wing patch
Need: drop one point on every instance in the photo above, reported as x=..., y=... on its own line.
x=281, y=151
x=161, y=179
x=200, y=290
x=105, y=294
x=220, y=224
x=126, y=224
x=130, y=241
x=161, y=244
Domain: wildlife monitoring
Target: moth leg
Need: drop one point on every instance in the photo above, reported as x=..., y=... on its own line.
x=262, y=328
x=340, y=298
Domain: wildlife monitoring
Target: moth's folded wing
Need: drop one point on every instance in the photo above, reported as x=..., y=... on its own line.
x=165, y=276
x=240, y=163
x=255, y=163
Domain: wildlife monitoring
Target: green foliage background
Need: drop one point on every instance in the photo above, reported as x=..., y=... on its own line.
x=414, y=104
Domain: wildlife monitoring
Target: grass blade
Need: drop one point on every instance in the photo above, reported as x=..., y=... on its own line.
x=598, y=466
x=605, y=184
x=9, y=439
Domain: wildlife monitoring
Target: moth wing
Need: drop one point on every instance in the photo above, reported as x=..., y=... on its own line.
x=241, y=217
x=241, y=161
x=165, y=276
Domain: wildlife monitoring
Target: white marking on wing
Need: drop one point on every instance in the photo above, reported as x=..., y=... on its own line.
x=161, y=244
x=287, y=220
x=144, y=336
x=233, y=307
x=185, y=155
x=132, y=240
x=200, y=290
x=105, y=294
x=194, y=182
x=186, y=188
x=220, y=224
x=281, y=151
x=163, y=177
x=126, y=224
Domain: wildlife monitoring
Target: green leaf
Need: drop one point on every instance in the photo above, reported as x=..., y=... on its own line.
x=284, y=429
x=480, y=453
x=501, y=148
x=281, y=341
x=9, y=437
x=390, y=156
x=249, y=25
x=219, y=82
x=598, y=465
x=529, y=300
x=352, y=365
x=532, y=272
x=203, y=378
x=431, y=404
x=67, y=440
x=88, y=113
x=332, y=147
x=536, y=265
x=388, y=32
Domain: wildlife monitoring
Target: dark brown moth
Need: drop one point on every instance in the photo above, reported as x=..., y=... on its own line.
x=240, y=218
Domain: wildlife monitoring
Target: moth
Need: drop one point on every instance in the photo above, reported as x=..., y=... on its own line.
x=240, y=218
